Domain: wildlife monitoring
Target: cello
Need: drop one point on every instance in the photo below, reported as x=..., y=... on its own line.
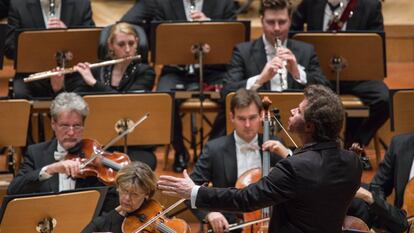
x=254, y=175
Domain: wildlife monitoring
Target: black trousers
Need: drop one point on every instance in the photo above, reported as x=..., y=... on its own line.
x=375, y=95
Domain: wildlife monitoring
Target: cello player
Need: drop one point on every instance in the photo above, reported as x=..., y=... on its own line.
x=226, y=158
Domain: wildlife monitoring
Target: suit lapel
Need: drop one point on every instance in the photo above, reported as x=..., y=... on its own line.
x=405, y=165
x=352, y=23
x=318, y=16
x=179, y=11
x=50, y=150
x=208, y=7
x=66, y=13
x=258, y=53
x=33, y=6
x=230, y=159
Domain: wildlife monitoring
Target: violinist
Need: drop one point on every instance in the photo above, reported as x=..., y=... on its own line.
x=393, y=175
x=226, y=158
x=136, y=183
x=310, y=191
x=45, y=168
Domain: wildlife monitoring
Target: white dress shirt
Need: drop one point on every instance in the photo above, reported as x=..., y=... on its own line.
x=248, y=154
x=65, y=182
x=279, y=81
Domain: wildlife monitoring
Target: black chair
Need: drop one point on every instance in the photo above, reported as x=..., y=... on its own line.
x=143, y=43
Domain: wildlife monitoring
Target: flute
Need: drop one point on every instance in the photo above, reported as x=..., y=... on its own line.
x=48, y=74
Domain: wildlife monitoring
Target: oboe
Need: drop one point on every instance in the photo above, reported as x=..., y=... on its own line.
x=278, y=44
x=52, y=8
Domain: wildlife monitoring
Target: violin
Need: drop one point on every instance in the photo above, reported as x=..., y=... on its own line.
x=97, y=162
x=150, y=210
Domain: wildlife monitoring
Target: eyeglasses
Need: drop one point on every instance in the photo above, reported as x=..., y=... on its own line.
x=66, y=127
x=132, y=195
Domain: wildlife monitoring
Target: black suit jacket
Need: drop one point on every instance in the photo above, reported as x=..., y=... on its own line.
x=394, y=170
x=4, y=8
x=249, y=59
x=367, y=15
x=27, y=14
x=38, y=156
x=214, y=9
x=310, y=191
x=218, y=165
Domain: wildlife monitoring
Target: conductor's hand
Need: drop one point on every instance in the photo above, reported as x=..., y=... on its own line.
x=270, y=70
x=275, y=147
x=58, y=81
x=199, y=16
x=69, y=167
x=176, y=187
x=365, y=195
x=291, y=64
x=55, y=23
x=85, y=70
x=217, y=222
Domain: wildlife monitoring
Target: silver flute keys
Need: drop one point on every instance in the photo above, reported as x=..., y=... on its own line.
x=52, y=8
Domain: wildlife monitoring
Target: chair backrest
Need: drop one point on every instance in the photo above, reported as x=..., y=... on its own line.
x=403, y=111
x=284, y=102
x=142, y=48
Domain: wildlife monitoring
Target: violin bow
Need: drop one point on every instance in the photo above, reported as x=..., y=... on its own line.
x=97, y=151
x=241, y=225
x=161, y=214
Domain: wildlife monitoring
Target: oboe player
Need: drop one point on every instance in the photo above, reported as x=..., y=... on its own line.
x=255, y=64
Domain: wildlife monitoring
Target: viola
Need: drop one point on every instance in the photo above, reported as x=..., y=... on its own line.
x=149, y=211
x=97, y=162
x=354, y=223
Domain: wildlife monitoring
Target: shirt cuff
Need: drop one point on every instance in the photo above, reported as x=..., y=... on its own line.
x=43, y=175
x=194, y=192
x=251, y=83
x=302, y=75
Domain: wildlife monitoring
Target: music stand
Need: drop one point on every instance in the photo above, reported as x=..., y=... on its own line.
x=68, y=211
x=349, y=56
x=3, y=30
x=184, y=43
x=14, y=120
x=37, y=49
x=107, y=110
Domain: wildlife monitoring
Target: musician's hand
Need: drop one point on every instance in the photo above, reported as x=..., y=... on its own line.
x=275, y=147
x=199, y=16
x=55, y=23
x=69, y=167
x=217, y=222
x=85, y=71
x=58, y=81
x=291, y=65
x=364, y=195
x=175, y=186
x=270, y=70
